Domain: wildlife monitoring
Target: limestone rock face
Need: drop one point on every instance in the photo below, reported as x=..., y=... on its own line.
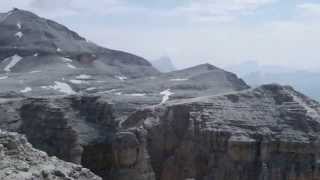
x=269, y=133
x=20, y=161
x=79, y=129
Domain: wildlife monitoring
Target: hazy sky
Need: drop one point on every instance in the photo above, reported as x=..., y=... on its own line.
x=222, y=32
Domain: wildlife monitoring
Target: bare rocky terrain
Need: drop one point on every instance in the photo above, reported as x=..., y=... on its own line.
x=20, y=161
x=112, y=112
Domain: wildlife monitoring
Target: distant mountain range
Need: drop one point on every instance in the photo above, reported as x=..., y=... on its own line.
x=255, y=75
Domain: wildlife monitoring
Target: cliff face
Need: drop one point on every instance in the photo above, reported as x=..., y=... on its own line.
x=78, y=129
x=19, y=160
x=270, y=133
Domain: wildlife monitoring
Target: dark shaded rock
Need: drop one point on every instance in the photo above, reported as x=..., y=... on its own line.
x=75, y=129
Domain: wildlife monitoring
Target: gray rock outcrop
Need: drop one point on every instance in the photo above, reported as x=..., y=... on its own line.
x=20, y=161
x=269, y=133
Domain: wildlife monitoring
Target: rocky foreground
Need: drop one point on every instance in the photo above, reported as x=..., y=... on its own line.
x=20, y=161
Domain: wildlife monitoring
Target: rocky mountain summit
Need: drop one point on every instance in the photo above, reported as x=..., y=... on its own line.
x=115, y=114
x=40, y=55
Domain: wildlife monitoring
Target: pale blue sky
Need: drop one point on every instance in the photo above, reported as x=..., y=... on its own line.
x=222, y=32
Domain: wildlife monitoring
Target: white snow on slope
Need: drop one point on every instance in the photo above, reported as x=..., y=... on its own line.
x=3, y=77
x=19, y=35
x=108, y=91
x=166, y=95
x=13, y=61
x=83, y=76
x=71, y=66
x=179, y=79
x=91, y=88
x=66, y=60
x=19, y=25
x=36, y=55
x=25, y=90
x=75, y=81
x=33, y=72
x=58, y=50
x=61, y=87
x=122, y=78
x=137, y=94
x=118, y=93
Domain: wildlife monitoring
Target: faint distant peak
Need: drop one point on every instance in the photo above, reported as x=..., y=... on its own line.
x=164, y=64
x=204, y=67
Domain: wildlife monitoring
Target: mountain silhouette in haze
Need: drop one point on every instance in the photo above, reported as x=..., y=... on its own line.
x=255, y=74
x=164, y=64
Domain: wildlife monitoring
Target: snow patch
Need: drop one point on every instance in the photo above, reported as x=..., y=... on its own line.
x=66, y=60
x=25, y=90
x=58, y=50
x=33, y=72
x=19, y=35
x=3, y=77
x=166, y=95
x=83, y=76
x=71, y=66
x=36, y=55
x=19, y=25
x=109, y=91
x=179, y=79
x=122, y=78
x=137, y=94
x=91, y=88
x=14, y=60
x=61, y=87
x=118, y=93
x=75, y=81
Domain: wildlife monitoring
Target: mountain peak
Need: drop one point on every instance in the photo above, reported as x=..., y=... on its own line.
x=204, y=67
x=21, y=13
x=34, y=38
x=164, y=64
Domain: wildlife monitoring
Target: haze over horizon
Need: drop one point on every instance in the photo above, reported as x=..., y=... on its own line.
x=271, y=32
